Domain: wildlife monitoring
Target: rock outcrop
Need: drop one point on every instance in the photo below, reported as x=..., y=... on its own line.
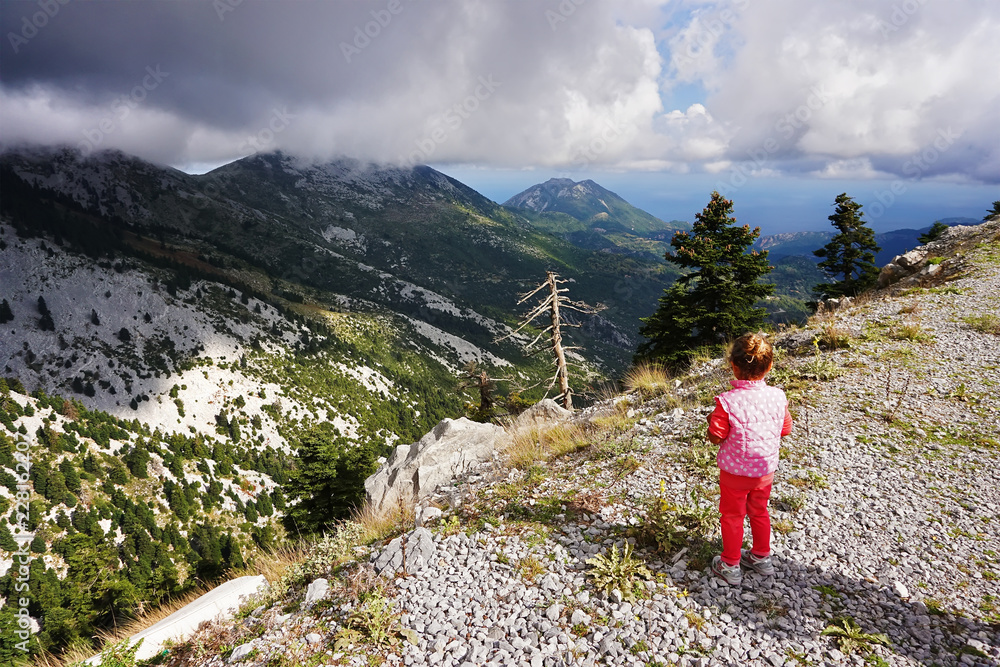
x=414, y=471
x=544, y=413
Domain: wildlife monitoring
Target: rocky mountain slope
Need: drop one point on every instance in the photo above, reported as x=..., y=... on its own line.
x=592, y=217
x=884, y=513
x=357, y=236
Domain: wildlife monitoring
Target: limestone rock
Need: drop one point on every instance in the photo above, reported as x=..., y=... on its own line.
x=414, y=471
x=419, y=547
x=544, y=413
x=317, y=591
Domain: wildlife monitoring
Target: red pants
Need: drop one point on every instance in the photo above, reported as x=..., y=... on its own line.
x=740, y=497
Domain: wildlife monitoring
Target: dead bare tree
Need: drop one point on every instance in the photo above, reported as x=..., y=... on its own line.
x=473, y=376
x=555, y=300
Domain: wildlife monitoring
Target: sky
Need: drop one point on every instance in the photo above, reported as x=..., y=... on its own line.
x=781, y=105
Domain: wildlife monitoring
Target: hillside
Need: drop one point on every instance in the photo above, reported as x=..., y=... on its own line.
x=881, y=526
x=344, y=235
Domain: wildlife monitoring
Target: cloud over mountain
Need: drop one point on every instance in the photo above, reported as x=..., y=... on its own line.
x=554, y=84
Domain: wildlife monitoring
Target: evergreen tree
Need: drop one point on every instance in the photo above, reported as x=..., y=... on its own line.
x=70, y=475
x=715, y=299
x=850, y=254
x=989, y=214
x=6, y=314
x=934, y=233
x=328, y=479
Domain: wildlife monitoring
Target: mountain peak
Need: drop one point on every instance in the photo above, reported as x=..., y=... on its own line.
x=588, y=202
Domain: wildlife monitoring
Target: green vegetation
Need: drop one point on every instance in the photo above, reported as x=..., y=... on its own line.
x=328, y=480
x=96, y=583
x=988, y=324
x=850, y=254
x=850, y=638
x=670, y=526
x=715, y=301
x=618, y=572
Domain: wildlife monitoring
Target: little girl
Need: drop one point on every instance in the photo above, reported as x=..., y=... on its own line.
x=748, y=422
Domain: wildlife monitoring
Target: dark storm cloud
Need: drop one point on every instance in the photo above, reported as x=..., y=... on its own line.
x=551, y=83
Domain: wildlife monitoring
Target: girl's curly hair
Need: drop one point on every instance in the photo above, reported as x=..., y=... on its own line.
x=752, y=356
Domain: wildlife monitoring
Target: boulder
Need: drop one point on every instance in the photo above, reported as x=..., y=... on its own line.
x=544, y=413
x=414, y=471
x=902, y=266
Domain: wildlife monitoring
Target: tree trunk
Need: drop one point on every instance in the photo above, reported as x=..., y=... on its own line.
x=561, y=373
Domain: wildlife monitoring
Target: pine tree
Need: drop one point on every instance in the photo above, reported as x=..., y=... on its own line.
x=989, y=214
x=715, y=299
x=328, y=479
x=934, y=233
x=850, y=254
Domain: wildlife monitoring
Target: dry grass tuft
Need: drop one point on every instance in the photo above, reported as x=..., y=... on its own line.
x=648, y=379
x=527, y=446
x=376, y=526
x=832, y=337
x=987, y=324
x=910, y=331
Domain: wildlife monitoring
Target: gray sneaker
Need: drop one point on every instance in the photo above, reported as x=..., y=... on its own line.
x=762, y=566
x=731, y=574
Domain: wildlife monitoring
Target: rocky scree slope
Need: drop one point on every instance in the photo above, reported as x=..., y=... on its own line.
x=885, y=513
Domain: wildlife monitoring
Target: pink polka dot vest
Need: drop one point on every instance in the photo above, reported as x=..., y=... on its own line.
x=756, y=414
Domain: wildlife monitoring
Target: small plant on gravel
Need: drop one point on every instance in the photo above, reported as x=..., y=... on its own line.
x=530, y=568
x=374, y=622
x=590, y=502
x=790, y=502
x=613, y=572
x=810, y=480
x=849, y=636
x=770, y=606
x=821, y=367
x=783, y=526
x=987, y=324
x=670, y=526
x=910, y=331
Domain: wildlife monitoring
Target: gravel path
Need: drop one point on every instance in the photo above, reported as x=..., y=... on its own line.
x=885, y=509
